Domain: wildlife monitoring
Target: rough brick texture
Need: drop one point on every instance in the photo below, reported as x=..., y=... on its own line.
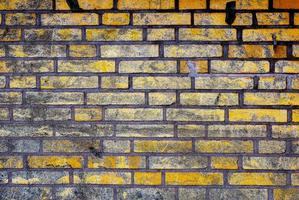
x=149, y=100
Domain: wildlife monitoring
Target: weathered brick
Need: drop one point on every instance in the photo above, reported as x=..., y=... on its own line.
x=224, y=146
x=117, y=162
x=289, y=193
x=116, y=51
x=224, y=83
x=147, y=178
x=26, y=5
x=155, y=34
x=3, y=178
x=162, y=19
x=256, y=51
x=201, y=66
x=24, y=146
x=257, y=115
x=2, y=50
x=296, y=51
x=152, y=82
x=192, y=4
x=211, y=34
x=82, y=145
x=234, y=194
x=239, y=66
x=52, y=98
x=266, y=179
x=41, y=113
x=205, y=19
x=11, y=162
x=82, y=50
x=224, y=163
x=271, y=163
x=133, y=114
x=99, y=66
x=191, y=131
x=119, y=98
x=114, y=82
x=263, y=35
x=56, y=82
x=116, y=19
x=37, y=51
x=222, y=99
x=20, y=19
x=147, y=130
x=192, y=51
x=272, y=82
x=10, y=98
x=10, y=35
x=146, y=193
x=295, y=83
x=25, y=130
x=145, y=4
x=116, y=146
x=273, y=18
x=240, y=4
x=236, y=131
x=102, y=178
x=4, y=114
x=295, y=179
x=173, y=114
x=114, y=34
x=70, y=19
x=193, y=178
x=20, y=193
x=39, y=177
x=272, y=146
x=26, y=66
x=191, y=193
x=287, y=66
x=22, y=82
x=271, y=98
x=285, y=131
x=157, y=98
x=178, y=162
x=88, y=114
x=148, y=66
x=2, y=81
x=163, y=146
x=295, y=115
x=70, y=34
x=84, y=130
x=55, y=162
x=86, y=5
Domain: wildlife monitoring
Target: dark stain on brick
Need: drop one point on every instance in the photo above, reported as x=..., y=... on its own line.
x=230, y=12
x=95, y=152
x=74, y=5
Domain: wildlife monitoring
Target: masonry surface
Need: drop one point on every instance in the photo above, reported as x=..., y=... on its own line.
x=149, y=100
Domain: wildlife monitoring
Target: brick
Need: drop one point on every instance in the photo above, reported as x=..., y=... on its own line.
x=146, y=130
x=257, y=115
x=25, y=192
x=173, y=114
x=4, y=114
x=99, y=66
x=295, y=115
x=88, y=114
x=38, y=177
x=22, y=82
x=192, y=4
x=56, y=82
x=52, y=98
x=155, y=34
x=205, y=19
x=4, y=178
x=117, y=98
x=191, y=131
x=263, y=35
x=86, y=5
x=201, y=66
x=24, y=146
x=146, y=193
x=4, y=145
x=83, y=51
x=221, y=99
x=272, y=82
x=295, y=83
x=116, y=51
x=133, y=114
x=263, y=179
x=145, y=4
x=224, y=83
x=10, y=98
x=295, y=179
x=84, y=130
x=271, y=163
x=224, y=146
x=15, y=162
x=41, y=113
x=148, y=66
x=114, y=34
x=70, y=34
x=120, y=82
x=178, y=162
x=285, y=4
x=192, y=51
x=152, y=82
x=55, y=162
x=247, y=193
x=2, y=51
x=23, y=51
x=25, y=130
x=82, y=145
x=224, y=163
x=26, y=5
x=116, y=146
x=29, y=66
x=162, y=19
x=296, y=51
x=147, y=178
x=10, y=35
x=237, y=131
x=240, y=4
x=156, y=98
x=193, y=178
x=272, y=146
x=257, y=51
x=211, y=34
x=271, y=98
x=116, y=19
x=286, y=66
x=117, y=162
x=2, y=81
x=239, y=66
x=68, y=19
x=285, y=131
x=163, y=146
x=191, y=193
x=288, y=193
x=273, y=18
x=20, y=19
x=102, y=178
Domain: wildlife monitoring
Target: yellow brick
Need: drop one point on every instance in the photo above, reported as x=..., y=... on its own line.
x=162, y=19
x=240, y=4
x=120, y=82
x=82, y=145
x=224, y=163
x=192, y=51
x=56, y=82
x=242, y=19
x=101, y=66
x=161, y=83
x=70, y=19
x=114, y=34
x=116, y=51
x=55, y=162
x=296, y=51
x=157, y=98
x=4, y=114
x=88, y=114
x=20, y=19
x=145, y=4
x=2, y=51
x=286, y=4
x=287, y=66
x=296, y=20
x=288, y=193
x=10, y=35
x=224, y=83
x=257, y=51
x=86, y=5
x=222, y=99
x=10, y=97
x=272, y=18
x=148, y=66
x=257, y=115
x=117, y=98
x=236, y=66
x=154, y=34
x=270, y=98
x=117, y=162
x=200, y=65
x=192, y=4
x=23, y=82
x=286, y=131
x=295, y=179
x=162, y=146
x=116, y=18
x=133, y=114
x=193, y=178
x=224, y=146
x=26, y=5
x=272, y=146
x=147, y=178
x=257, y=179
x=295, y=116
x=11, y=162
x=173, y=114
x=263, y=35
x=211, y=34
x=83, y=50
x=274, y=82
x=295, y=83
x=24, y=51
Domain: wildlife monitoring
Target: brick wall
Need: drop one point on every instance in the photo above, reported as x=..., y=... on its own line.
x=149, y=100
